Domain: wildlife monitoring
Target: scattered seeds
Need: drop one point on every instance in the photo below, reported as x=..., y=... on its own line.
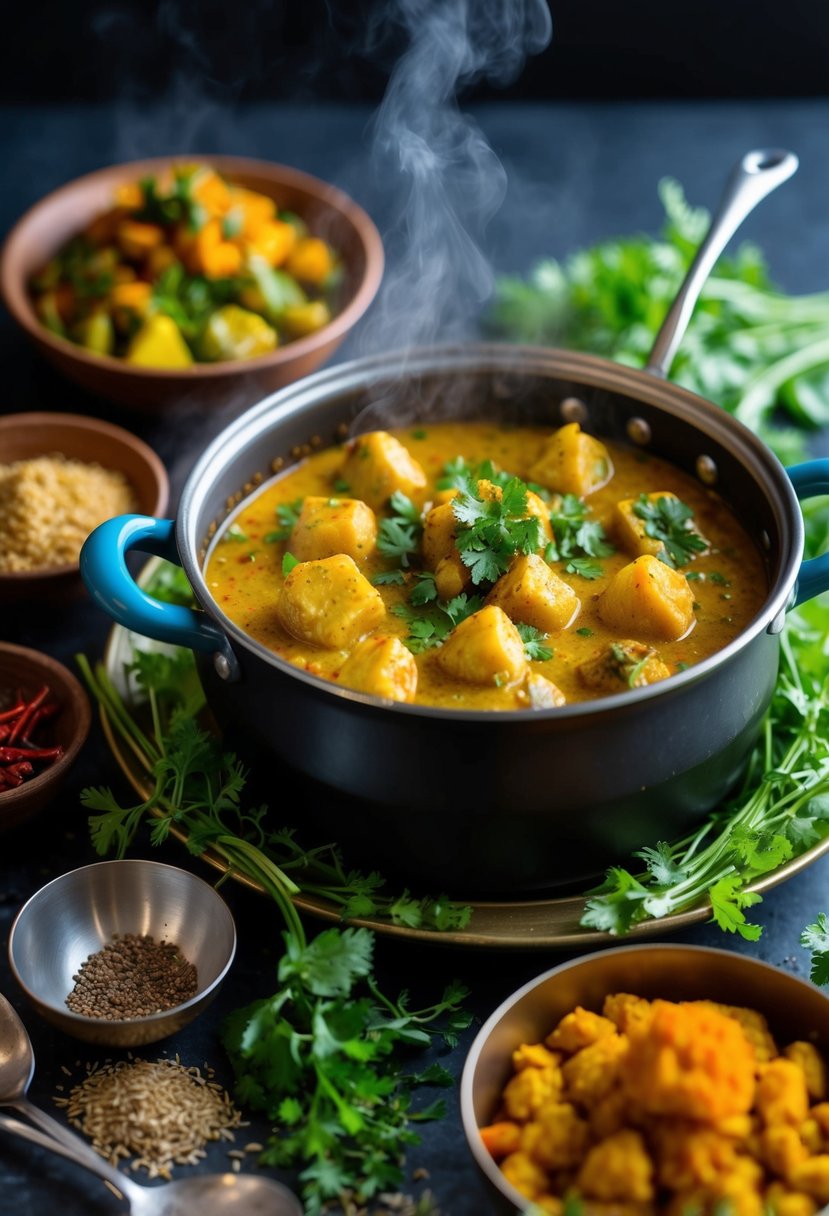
x=159, y=1114
x=132, y=977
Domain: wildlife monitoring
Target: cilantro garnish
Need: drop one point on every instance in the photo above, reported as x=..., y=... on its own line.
x=459, y=474
x=575, y=534
x=288, y=563
x=399, y=534
x=533, y=640
x=584, y=567
x=287, y=513
x=668, y=520
x=234, y=532
x=492, y=531
x=432, y=625
x=389, y=578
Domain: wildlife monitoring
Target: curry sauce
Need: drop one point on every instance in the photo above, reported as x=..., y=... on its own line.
x=715, y=583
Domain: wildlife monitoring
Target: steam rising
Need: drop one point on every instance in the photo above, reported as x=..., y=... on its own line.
x=442, y=180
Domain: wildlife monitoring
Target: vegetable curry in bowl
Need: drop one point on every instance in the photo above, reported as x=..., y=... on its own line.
x=466, y=565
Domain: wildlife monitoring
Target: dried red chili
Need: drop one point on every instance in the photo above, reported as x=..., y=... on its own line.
x=19, y=746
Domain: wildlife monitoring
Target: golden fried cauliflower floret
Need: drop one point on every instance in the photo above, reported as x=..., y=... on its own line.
x=329, y=603
x=571, y=462
x=812, y=1176
x=617, y=1168
x=327, y=526
x=755, y=1027
x=537, y=692
x=557, y=1137
x=623, y=1008
x=780, y=1201
x=807, y=1057
x=620, y=665
x=629, y=529
x=531, y=593
x=647, y=597
x=610, y=1114
x=381, y=666
x=534, y=1055
x=530, y=1089
x=690, y=1155
x=781, y=1092
x=782, y=1149
x=578, y=1029
x=376, y=465
x=811, y=1134
x=592, y=1073
x=524, y=1174
x=689, y=1060
x=486, y=648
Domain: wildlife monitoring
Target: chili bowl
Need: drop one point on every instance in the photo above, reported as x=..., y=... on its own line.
x=794, y=1009
x=81, y=912
x=474, y=801
x=50, y=223
x=27, y=672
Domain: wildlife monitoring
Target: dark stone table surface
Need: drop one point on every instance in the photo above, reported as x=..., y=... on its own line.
x=576, y=173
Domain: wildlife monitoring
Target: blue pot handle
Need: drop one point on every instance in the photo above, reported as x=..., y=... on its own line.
x=111, y=585
x=810, y=479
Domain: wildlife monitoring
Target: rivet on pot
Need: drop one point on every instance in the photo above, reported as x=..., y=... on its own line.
x=222, y=666
x=573, y=410
x=707, y=470
x=639, y=431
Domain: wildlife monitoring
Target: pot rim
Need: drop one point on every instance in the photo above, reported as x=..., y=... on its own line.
x=592, y=371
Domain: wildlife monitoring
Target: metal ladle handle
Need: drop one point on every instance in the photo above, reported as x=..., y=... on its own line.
x=754, y=176
x=71, y=1147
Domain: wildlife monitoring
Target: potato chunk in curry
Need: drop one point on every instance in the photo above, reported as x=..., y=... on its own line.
x=486, y=648
x=329, y=603
x=621, y=665
x=572, y=462
x=631, y=530
x=327, y=526
x=377, y=464
x=531, y=593
x=381, y=666
x=648, y=597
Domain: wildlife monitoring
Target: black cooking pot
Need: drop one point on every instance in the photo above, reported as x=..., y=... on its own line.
x=470, y=799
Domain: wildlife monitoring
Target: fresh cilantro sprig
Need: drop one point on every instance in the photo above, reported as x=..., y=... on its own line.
x=575, y=534
x=326, y=1060
x=782, y=810
x=398, y=537
x=534, y=643
x=287, y=515
x=431, y=625
x=815, y=937
x=491, y=531
x=668, y=520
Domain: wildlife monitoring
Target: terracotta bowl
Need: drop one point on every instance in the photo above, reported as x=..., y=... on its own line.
x=794, y=1009
x=27, y=671
x=77, y=437
x=329, y=212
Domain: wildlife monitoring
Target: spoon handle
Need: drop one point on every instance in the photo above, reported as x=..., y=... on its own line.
x=69, y=1146
x=754, y=176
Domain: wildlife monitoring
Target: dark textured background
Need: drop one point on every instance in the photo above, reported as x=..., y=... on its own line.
x=93, y=84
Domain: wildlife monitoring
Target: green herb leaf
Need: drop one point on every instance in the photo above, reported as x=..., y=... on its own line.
x=288, y=563
x=584, y=567
x=668, y=520
x=491, y=532
x=533, y=639
x=399, y=534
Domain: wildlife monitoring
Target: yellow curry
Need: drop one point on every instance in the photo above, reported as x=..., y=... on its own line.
x=470, y=566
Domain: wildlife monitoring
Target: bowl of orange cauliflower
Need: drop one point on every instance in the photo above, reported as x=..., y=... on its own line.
x=654, y=1079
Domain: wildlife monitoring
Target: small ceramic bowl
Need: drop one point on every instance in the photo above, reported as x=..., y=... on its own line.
x=77, y=437
x=27, y=671
x=330, y=213
x=794, y=1008
x=80, y=912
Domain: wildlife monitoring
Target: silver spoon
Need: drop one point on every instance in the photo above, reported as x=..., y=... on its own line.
x=208, y=1194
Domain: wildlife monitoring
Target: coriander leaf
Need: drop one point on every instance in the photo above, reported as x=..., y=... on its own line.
x=331, y=963
x=574, y=533
x=661, y=864
x=424, y=590
x=492, y=530
x=387, y=578
x=533, y=640
x=584, y=567
x=399, y=534
x=727, y=903
x=288, y=563
x=287, y=513
x=668, y=520
x=815, y=937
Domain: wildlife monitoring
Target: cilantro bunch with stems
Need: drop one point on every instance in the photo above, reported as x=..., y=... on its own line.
x=781, y=810
x=324, y=1057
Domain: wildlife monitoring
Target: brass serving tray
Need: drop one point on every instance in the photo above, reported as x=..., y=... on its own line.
x=526, y=924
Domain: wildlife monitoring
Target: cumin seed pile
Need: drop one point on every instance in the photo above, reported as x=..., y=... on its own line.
x=132, y=977
x=160, y=1114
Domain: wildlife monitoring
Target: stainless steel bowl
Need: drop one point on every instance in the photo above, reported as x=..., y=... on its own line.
x=78, y=914
x=794, y=1009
